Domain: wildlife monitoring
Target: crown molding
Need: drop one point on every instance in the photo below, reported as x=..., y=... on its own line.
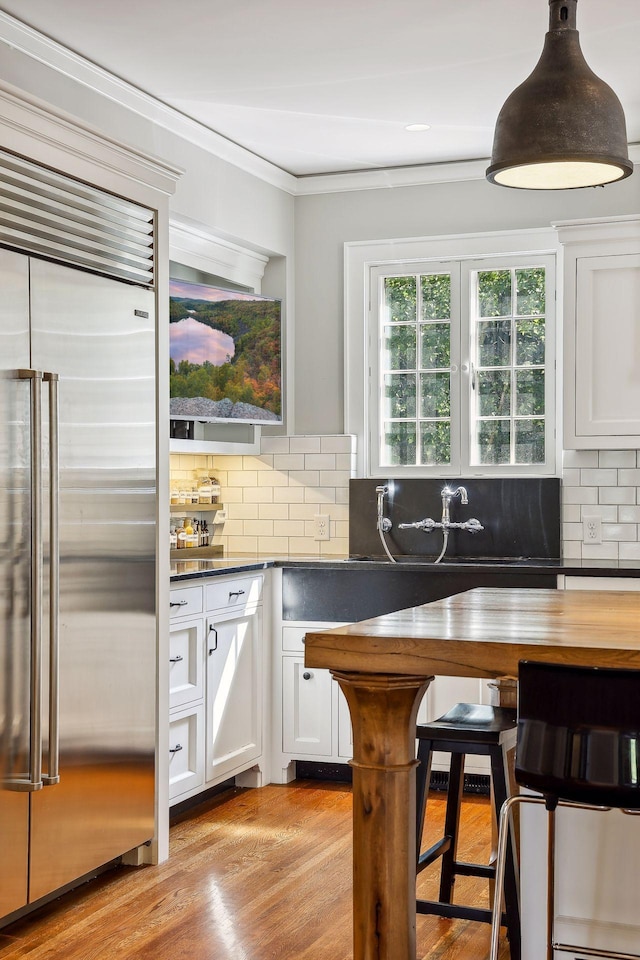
x=35, y=45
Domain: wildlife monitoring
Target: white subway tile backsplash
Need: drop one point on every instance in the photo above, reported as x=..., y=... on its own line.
x=571, y=513
x=599, y=478
x=630, y=551
x=580, y=458
x=289, y=528
x=571, y=477
x=617, y=495
x=259, y=528
x=273, y=478
x=608, y=513
x=303, y=511
x=627, y=514
x=304, y=444
x=599, y=551
x=572, y=531
x=272, y=511
x=320, y=461
x=288, y=494
x=273, y=545
x=271, y=498
x=258, y=494
x=572, y=550
x=580, y=495
x=288, y=461
x=320, y=494
x=334, y=478
x=338, y=444
x=620, y=531
x=242, y=511
x=274, y=445
x=617, y=458
x=630, y=478
x=308, y=478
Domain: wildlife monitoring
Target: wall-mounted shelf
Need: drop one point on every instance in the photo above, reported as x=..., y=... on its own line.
x=197, y=553
x=191, y=509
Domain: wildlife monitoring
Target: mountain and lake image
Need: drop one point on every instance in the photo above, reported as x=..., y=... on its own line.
x=225, y=354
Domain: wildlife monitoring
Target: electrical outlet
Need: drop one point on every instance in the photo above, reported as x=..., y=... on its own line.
x=321, y=526
x=592, y=529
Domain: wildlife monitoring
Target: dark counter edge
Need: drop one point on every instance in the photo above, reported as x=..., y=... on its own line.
x=222, y=567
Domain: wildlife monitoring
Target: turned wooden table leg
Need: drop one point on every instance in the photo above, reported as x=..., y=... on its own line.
x=383, y=714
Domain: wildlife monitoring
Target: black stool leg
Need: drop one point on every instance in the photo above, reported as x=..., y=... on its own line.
x=512, y=910
x=451, y=824
x=423, y=776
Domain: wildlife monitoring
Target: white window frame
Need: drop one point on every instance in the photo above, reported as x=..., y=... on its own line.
x=365, y=263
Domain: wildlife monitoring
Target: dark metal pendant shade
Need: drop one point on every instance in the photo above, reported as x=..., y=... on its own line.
x=563, y=127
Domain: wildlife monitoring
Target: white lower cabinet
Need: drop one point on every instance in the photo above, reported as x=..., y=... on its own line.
x=306, y=708
x=217, y=675
x=234, y=692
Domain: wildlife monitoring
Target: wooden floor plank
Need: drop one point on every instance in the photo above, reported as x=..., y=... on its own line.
x=253, y=875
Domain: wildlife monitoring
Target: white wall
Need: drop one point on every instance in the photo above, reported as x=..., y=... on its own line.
x=324, y=222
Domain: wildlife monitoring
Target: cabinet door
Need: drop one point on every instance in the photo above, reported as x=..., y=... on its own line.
x=606, y=404
x=306, y=696
x=234, y=693
x=186, y=659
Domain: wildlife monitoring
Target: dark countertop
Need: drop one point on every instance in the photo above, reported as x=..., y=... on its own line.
x=196, y=569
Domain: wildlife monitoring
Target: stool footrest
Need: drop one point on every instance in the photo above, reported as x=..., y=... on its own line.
x=453, y=911
x=433, y=853
x=474, y=870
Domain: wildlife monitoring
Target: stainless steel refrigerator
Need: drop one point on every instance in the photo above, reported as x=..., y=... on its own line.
x=77, y=574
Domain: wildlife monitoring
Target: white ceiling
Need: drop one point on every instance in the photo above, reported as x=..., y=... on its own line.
x=322, y=86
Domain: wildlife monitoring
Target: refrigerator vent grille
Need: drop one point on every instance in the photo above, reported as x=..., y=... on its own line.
x=49, y=215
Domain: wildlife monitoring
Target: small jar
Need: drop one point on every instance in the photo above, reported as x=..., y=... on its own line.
x=174, y=495
x=194, y=496
x=181, y=536
x=173, y=537
x=215, y=491
x=184, y=495
x=204, y=490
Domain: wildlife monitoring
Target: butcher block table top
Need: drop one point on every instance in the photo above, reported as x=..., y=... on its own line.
x=384, y=666
x=485, y=632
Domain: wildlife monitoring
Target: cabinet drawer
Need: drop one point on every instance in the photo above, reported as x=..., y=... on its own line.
x=186, y=750
x=232, y=594
x=185, y=602
x=186, y=657
x=293, y=639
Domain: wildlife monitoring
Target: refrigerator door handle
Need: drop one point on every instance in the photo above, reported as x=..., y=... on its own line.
x=34, y=780
x=53, y=775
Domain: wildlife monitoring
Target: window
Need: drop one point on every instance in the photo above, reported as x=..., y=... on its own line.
x=459, y=375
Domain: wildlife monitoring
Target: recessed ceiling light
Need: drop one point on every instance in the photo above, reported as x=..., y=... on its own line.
x=417, y=127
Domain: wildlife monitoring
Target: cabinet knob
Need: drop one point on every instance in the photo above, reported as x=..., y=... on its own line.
x=176, y=749
x=306, y=675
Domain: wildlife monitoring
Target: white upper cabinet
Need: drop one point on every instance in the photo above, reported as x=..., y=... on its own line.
x=601, y=333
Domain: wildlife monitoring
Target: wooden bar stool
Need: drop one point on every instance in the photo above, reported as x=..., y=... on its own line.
x=578, y=744
x=475, y=730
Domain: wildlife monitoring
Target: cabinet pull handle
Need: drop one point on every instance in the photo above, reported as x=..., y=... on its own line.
x=306, y=675
x=236, y=593
x=176, y=659
x=212, y=630
x=178, y=603
x=176, y=749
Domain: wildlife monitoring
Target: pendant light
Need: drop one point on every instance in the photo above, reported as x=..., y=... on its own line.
x=563, y=127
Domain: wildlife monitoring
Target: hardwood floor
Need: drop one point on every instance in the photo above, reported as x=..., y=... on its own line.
x=253, y=875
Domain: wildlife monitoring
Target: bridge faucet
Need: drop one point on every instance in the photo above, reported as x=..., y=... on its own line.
x=446, y=524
